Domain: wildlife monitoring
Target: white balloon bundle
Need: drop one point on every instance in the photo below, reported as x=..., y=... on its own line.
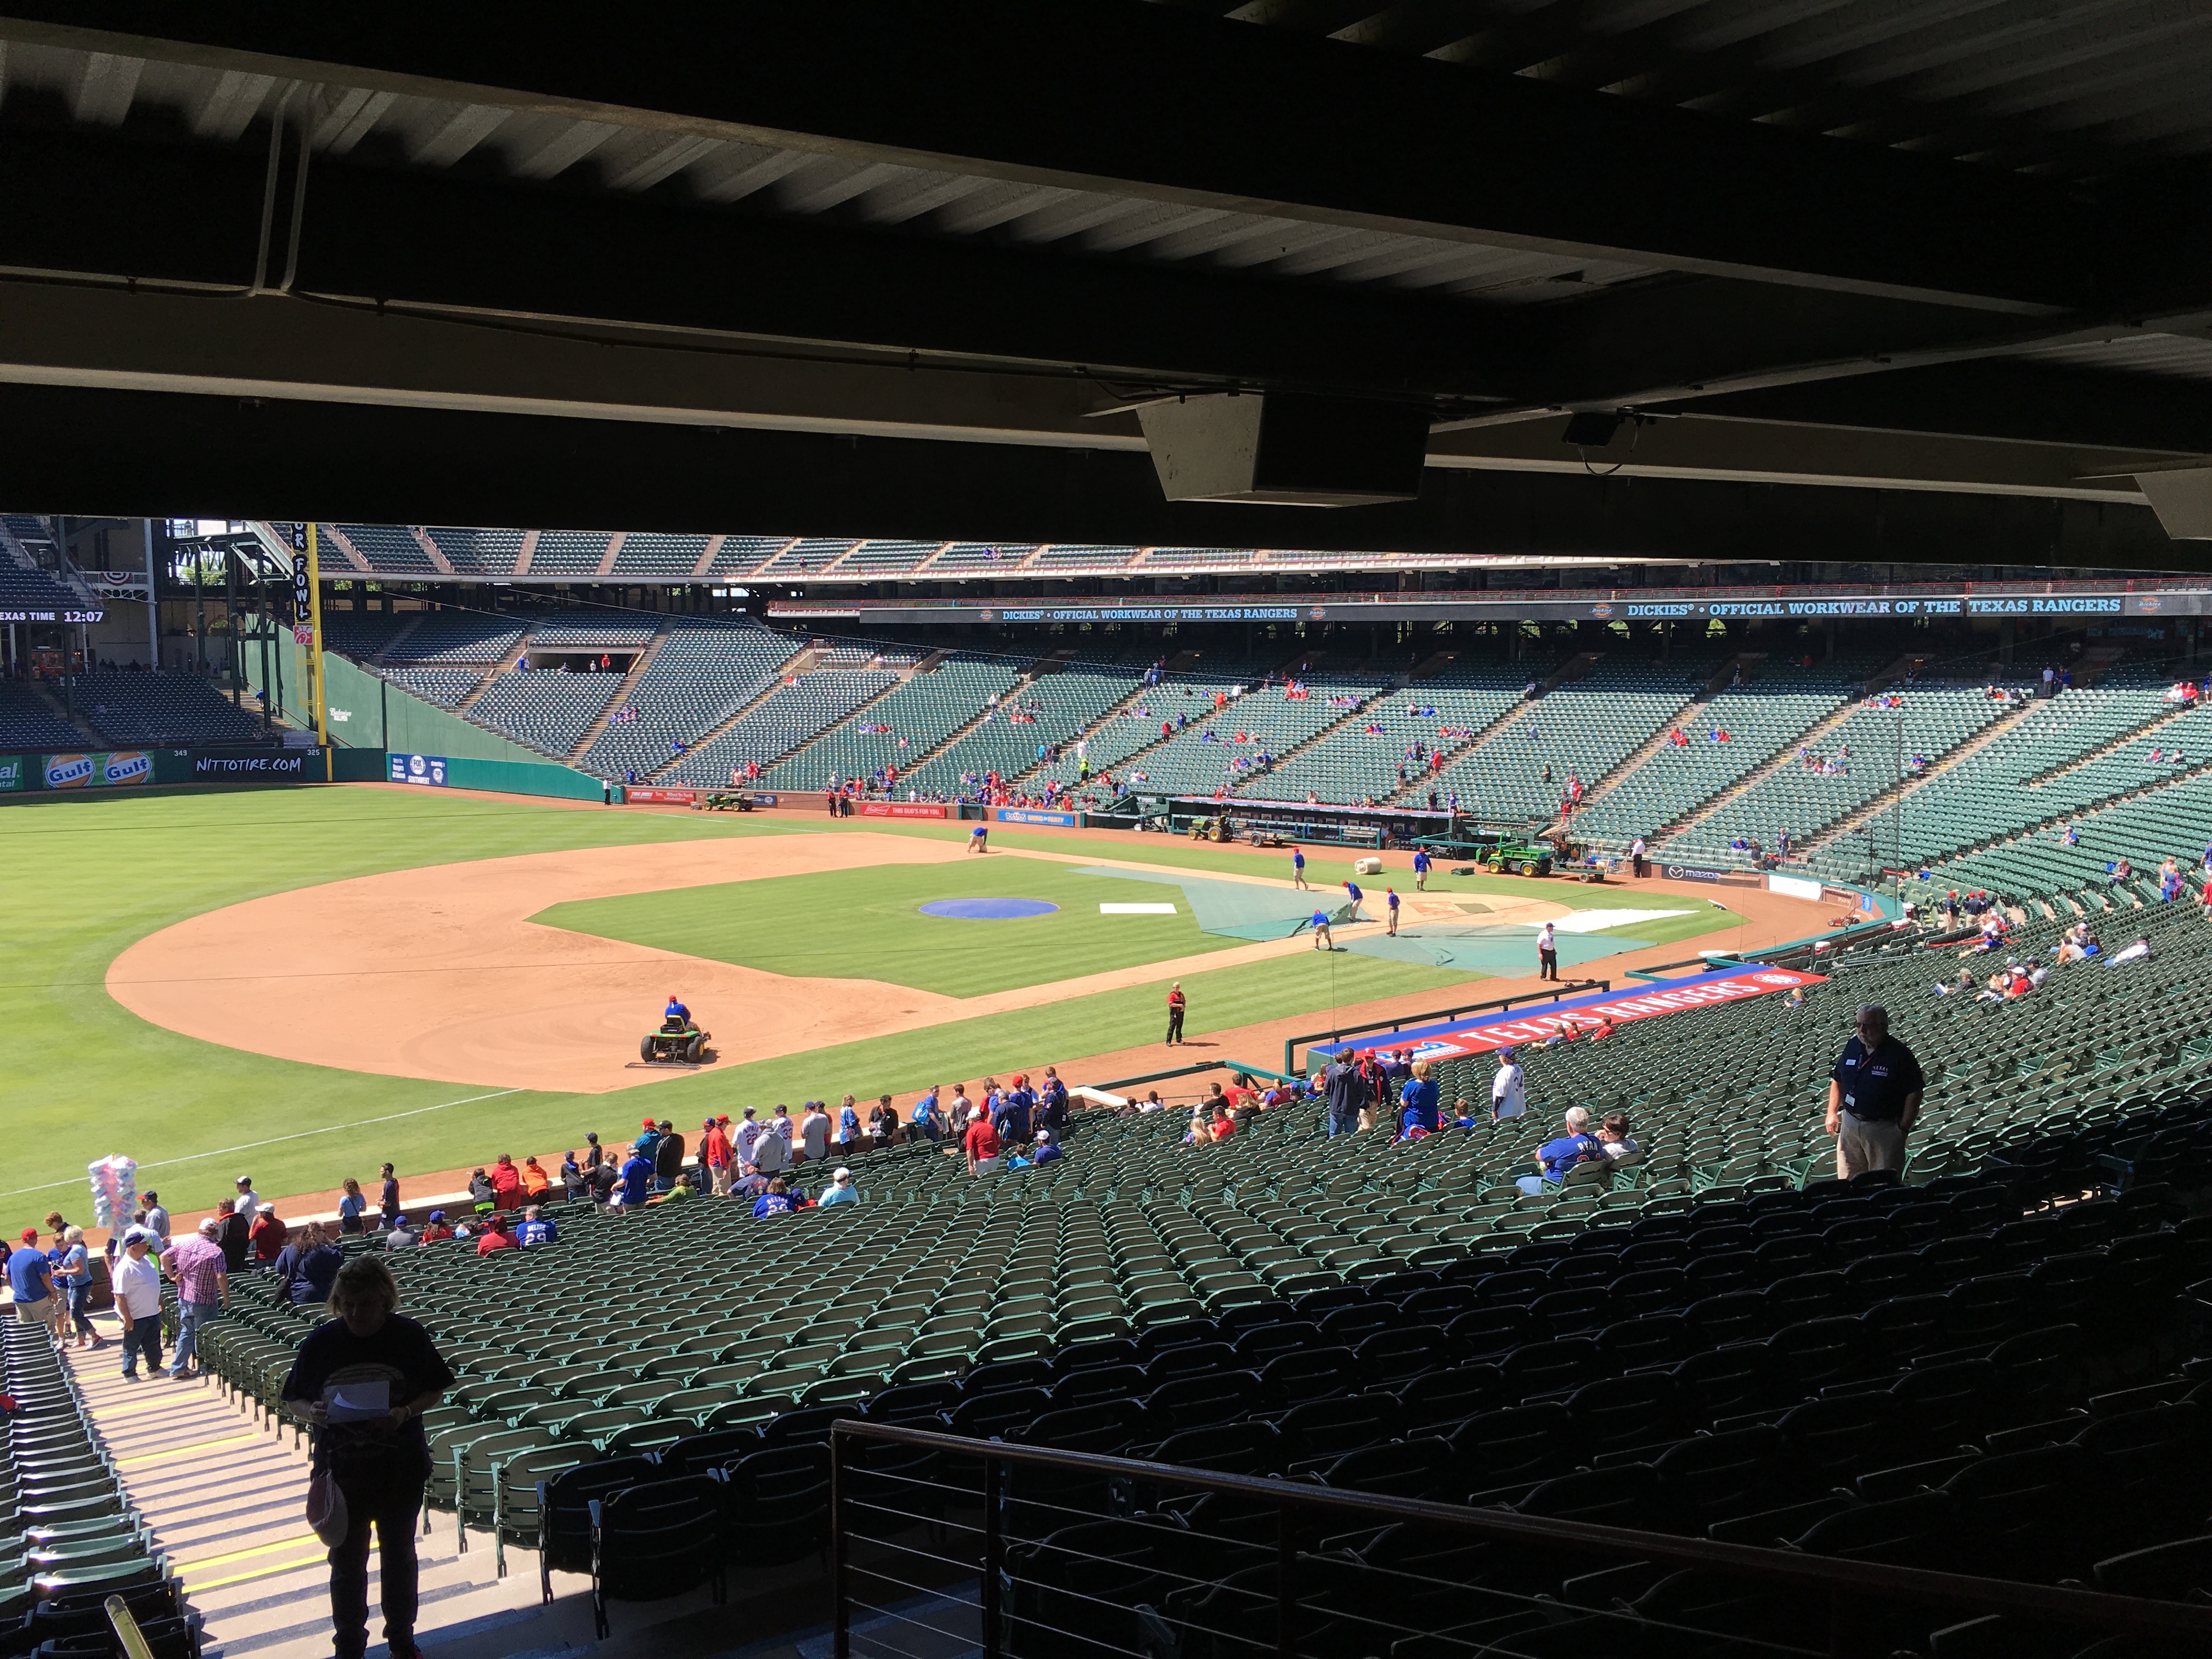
x=114, y=1189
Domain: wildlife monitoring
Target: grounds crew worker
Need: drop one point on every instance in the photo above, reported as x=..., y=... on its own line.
x=1873, y=1096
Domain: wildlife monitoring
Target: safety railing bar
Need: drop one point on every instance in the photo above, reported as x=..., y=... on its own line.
x=937, y=1591
x=891, y=1613
x=965, y=1563
x=1092, y=1641
x=908, y=1515
x=1827, y=1572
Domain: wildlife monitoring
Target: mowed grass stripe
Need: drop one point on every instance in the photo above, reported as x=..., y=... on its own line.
x=868, y=924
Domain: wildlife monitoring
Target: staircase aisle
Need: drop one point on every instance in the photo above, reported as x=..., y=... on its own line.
x=225, y=1495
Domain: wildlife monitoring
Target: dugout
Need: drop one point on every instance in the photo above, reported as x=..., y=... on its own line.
x=1343, y=826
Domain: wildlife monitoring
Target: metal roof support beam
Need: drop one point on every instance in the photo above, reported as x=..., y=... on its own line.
x=1130, y=99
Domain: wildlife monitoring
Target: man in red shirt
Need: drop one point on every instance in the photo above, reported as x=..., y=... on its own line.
x=1175, y=1012
x=495, y=1235
x=715, y=1154
x=268, y=1236
x=982, y=1142
x=506, y=1183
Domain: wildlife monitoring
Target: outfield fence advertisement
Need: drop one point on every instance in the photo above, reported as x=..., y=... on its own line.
x=291, y=767
x=1026, y=815
x=126, y=769
x=427, y=769
x=1572, y=1016
x=640, y=794
x=900, y=809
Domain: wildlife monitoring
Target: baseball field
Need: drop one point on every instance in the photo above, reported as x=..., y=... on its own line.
x=299, y=984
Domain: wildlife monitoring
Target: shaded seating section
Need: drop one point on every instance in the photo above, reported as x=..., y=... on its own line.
x=1055, y=708
x=703, y=672
x=567, y=552
x=1760, y=718
x=806, y=556
x=1351, y=763
x=980, y=558
x=443, y=639
x=34, y=590
x=2168, y=819
x=740, y=555
x=649, y=553
x=361, y=634
x=902, y=728
x=71, y=1537
x=1582, y=728
x=1122, y=733
x=1226, y=750
x=472, y=552
x=1068, y=557
x=26, y=721
x=1932, y=721
x=792, y=713
x=161, y=708
x=887, y=558
x=545, y=707
x=2003, y=786
x=444, y=686
x=392, y=550
x=589, y=630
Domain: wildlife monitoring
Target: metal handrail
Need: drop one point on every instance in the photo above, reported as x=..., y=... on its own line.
x=1831, y=1575
x=1574, y=988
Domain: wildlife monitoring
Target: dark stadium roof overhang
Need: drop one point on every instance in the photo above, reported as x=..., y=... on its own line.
x=888, y=269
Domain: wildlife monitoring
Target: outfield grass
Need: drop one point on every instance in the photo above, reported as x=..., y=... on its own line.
x=868, y=924
x=81, y=1076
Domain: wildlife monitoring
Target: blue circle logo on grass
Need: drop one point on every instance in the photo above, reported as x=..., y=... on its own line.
x=987, y=909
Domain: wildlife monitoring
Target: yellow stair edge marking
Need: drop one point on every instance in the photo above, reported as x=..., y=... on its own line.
x=201, y=1588
x=292, y=1543
x=168, y=1402
x=145, y=1458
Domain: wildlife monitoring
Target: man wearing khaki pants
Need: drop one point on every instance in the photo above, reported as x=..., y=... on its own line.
x=1873, y=1096
x=31, y=1282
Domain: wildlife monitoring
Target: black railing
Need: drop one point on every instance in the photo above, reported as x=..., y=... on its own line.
x=1576, y=989
x=894, y=1490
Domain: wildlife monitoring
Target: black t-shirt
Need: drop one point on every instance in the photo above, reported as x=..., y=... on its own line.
x=668, y=1156
x=402, y=1355
x=1873, y=1085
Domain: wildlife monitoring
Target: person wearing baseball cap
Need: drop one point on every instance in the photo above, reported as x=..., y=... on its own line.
x=31, y=1280
x=1508, y=1088
x=715, y=1156
x=137, y=1284
x=841, y=1189
x=248, y=1202
x=1048, y=1149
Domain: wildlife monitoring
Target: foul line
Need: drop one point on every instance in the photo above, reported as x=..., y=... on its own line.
x=278, y=1141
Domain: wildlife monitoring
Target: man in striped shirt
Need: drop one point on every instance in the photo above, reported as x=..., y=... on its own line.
x=203, y=1288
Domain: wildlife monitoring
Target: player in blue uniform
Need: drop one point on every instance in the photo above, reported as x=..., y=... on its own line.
x=1420, y=869
x=1352, y=888
x=1298, y=868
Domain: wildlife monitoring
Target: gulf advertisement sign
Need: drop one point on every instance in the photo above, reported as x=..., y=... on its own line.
x=99, y=771
x=1573, y=1016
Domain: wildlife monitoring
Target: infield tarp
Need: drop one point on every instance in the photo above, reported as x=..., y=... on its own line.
x=1483, y=1033
x=1501, y=951
x=1239, y=909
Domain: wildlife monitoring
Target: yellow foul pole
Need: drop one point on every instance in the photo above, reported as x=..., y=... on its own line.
x=307, y=630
